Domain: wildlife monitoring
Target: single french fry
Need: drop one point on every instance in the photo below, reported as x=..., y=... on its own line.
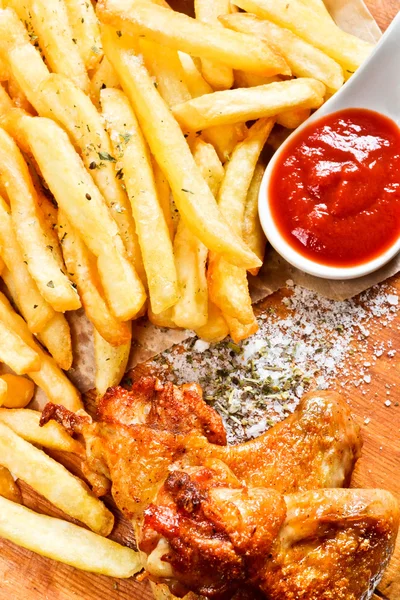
x=304, y=59
x=53, y=481
x=134, y=158
x=219, y=76
x=81, y=265
x=26, y=424
x=239, y=331
x=293, y=118
x=20, y=391
x=164, y=197
x=224, y=137
x=209, y=164
x=6, y=103
x=37, y=250
x=104, y=76
x=55, y=36
x=15, y=353
x=191, y=194
x=50, y=378
x=66, y=542
x=244, y=104
x=164, y=64
x=253, y=233
x=178, y=31
x=111, y=362
x=228, y=286
x=34, y=308
x=56, y=337
x=349, y=51
x=84, y=206
x=8, y=488
x=216, y=329
x=86, y=31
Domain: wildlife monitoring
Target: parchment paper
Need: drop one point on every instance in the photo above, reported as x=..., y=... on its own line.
x=148, y=340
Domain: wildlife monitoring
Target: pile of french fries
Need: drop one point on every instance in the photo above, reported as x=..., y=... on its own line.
x=130, y=144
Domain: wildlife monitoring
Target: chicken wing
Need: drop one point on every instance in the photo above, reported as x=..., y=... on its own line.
x=245, y=521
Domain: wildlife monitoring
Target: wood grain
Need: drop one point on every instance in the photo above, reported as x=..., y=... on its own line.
x=26, y=576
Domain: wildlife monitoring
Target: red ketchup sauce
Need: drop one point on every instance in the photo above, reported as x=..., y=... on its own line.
x=335, y=192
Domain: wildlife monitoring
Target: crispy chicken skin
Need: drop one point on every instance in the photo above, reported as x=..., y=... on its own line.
x=254, y=520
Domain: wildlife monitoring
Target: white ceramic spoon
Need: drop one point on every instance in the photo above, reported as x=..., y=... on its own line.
x=375, y=86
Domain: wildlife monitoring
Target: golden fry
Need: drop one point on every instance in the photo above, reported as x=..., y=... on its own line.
x=86, y=31
x=56, y=337
x=26, y=424
x=51, y=25
x=20, y=391
x=304, y=59
x=178, y=31
x=192, y=195
x=293, y=118
x=238, y=331
x=253, y=233
x=134, y=157
x=349, y=51
x=50, y=378
x=37, y=249
x=218, y=75
x=81, y=263
x=65, y=542
x=164, y=197
x=244, y=104
x=3, y=391
x=228, y=285
x=34, y=308
x=111, y=362
x=104, y=76
x=53, y=481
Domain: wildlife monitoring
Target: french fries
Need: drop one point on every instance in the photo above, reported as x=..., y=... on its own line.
x=8, y=487
x=111, y=362
x=228, y=285
x=178, y=31
x=84, y=206
x=19, y=393
x=3, y=391
x=86, y=31
x=49, y=376
x=25, y=423
x=43, y=265
x=134, y=159
x=350, y=52
x=164, y=198
x=51, y=25
x=192, y=195
x=239, y=331
x=81, y=263
x=34, y=308
x=253, y=233
x=304, y=59
x=103, y=76
x=53, y=481
x=66, y=542
x=15, y=353
x=224, y=137
x=245, y=104
x=219, y=76
x=56, y=337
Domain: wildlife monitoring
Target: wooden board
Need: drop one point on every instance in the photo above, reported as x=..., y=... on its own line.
x=26, y=576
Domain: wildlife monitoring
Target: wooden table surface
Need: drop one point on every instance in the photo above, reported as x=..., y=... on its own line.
x=26, y=576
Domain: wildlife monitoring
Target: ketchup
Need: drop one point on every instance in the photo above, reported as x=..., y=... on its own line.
x=335, y=192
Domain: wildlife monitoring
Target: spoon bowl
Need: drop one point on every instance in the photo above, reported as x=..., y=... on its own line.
x=376, y=87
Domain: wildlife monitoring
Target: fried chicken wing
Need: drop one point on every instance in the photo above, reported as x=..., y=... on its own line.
x=252, y=520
